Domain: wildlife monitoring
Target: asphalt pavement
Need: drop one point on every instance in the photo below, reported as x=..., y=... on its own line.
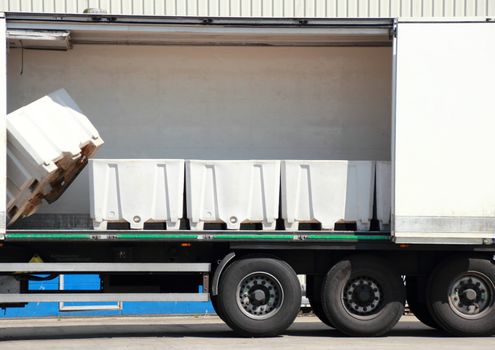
x=208, y=332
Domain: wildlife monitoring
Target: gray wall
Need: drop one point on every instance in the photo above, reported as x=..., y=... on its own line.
x=217, y=102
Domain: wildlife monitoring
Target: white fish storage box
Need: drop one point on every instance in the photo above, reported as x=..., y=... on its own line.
x=326, y=192
x=383, y=193
x=136, y=191
x=232, y=192
x=49, y=142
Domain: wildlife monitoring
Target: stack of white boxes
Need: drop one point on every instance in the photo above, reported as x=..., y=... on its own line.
x=49, y=142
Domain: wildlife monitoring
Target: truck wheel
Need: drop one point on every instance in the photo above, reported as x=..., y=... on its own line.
x=259, y=297
x=363, y=296
x=313, y=293
x=418, y=305
x=214, y=303
x=462, y=296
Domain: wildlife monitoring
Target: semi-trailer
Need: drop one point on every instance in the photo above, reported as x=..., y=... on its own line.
x=408, y=101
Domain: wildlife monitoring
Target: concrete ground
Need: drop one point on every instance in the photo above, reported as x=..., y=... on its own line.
x=208, y=332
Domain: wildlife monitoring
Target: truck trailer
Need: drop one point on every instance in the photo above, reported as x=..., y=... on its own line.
x=408, y=102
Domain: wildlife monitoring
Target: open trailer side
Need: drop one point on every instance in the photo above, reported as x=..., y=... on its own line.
x=413, y=93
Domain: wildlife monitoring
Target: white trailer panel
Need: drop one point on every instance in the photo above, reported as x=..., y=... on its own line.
x=444, y=133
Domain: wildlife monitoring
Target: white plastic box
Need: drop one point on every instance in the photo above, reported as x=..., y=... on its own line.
x=136, y=191
x=383, y=193
x=326, y=192
x=232, y=192
x=49, y=142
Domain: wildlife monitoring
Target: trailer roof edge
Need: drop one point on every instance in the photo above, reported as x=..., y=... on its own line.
x=154, y=30
x=191, y=20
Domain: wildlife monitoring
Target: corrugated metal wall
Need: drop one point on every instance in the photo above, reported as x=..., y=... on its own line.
x=264, y=8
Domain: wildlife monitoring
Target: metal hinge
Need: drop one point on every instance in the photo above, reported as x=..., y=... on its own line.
x=393, y=31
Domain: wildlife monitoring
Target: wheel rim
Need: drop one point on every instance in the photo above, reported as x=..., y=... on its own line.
x=362, y=297
x=471, y=295
x=259, y=295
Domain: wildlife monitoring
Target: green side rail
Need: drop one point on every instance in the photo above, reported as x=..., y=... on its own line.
x=199, y=236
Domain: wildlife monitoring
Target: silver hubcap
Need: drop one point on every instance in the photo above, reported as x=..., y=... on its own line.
x=362, y=296
x=259, y=295
x=471, y=295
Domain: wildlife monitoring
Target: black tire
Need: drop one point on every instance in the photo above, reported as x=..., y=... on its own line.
x=214, y=303
x=281, y=286
x=449, y=299
x=313, y=293
x=417, y=303
x=375, y=296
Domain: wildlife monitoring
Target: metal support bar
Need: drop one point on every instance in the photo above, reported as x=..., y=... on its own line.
x=104, y=267
x=206, y=283
x=65, y=308
x=203, y=20
x=101, y=297
x=204, y=31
